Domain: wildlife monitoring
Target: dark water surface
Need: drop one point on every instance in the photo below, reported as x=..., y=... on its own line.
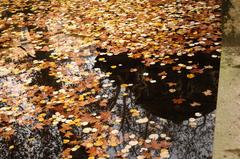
x=155, y=97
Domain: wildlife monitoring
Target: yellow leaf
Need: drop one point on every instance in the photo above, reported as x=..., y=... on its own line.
x=190, y=75
x=101, y=59
x=81, y=97
x=11, y=147
x=114, y=66
x=40, y=119
x=124, y=85
x=113, y=141
x=98, y=143
x=88, y=145
x=65, y=141
x=75, y=148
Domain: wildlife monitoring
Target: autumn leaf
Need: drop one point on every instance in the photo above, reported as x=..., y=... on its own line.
x=165, y=144
x=190, y=76
x=103, y=103
x=178, y=100
x=92, y=151
x=65, y=141
x=113, y=141
x=68, y=134
x=207, y=92
x=38, y=126
x=66, y=152
x=170, y=84
x=99, y=142
x=155, y=144
x=195, y=104
x=105, y=115
x=68, y=95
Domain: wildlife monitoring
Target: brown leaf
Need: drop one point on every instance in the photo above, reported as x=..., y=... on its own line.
x=103, y=103
x=105, y=115
x=155, y=144
x=178, y=101
x=38, y=126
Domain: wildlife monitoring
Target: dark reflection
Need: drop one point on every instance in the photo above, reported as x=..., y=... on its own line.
x=39, y=144
x=169, y=93
x=42, y=78
x=81, y=153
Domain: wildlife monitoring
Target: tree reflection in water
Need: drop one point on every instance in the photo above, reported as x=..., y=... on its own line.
x=140, y=99
x=136, y=101
x=143, y=100
x=154, y=100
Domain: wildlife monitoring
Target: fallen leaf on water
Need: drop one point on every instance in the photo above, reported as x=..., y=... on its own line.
x=195, y=104
x=207, y=92
x=11, y=147
x=154, y=136
x=190, y=76
x=178, y=101
x=143, y=120
x=75, y=148
x=133, y=143
x=87, y=130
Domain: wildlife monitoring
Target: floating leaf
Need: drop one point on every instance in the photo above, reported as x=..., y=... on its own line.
x=207, y=92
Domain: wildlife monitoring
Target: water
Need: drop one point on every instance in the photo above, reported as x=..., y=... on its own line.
x=152, y=99
x=155, y=96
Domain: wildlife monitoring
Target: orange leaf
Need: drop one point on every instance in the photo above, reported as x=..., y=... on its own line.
x=68, y=134
x=178, y=101
x=105, y=115
x=155, y=145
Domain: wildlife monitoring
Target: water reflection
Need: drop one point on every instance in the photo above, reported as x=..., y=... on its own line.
x=149, y=96
x=165, y=85
x=153, y=99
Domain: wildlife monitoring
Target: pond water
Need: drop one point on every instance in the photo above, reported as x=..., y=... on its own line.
x=152, y=99
x=178, y=108
x=155, y=98
x=157, y=94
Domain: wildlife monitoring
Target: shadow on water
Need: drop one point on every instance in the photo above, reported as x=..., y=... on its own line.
x=158, y=95
x=43, y=77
